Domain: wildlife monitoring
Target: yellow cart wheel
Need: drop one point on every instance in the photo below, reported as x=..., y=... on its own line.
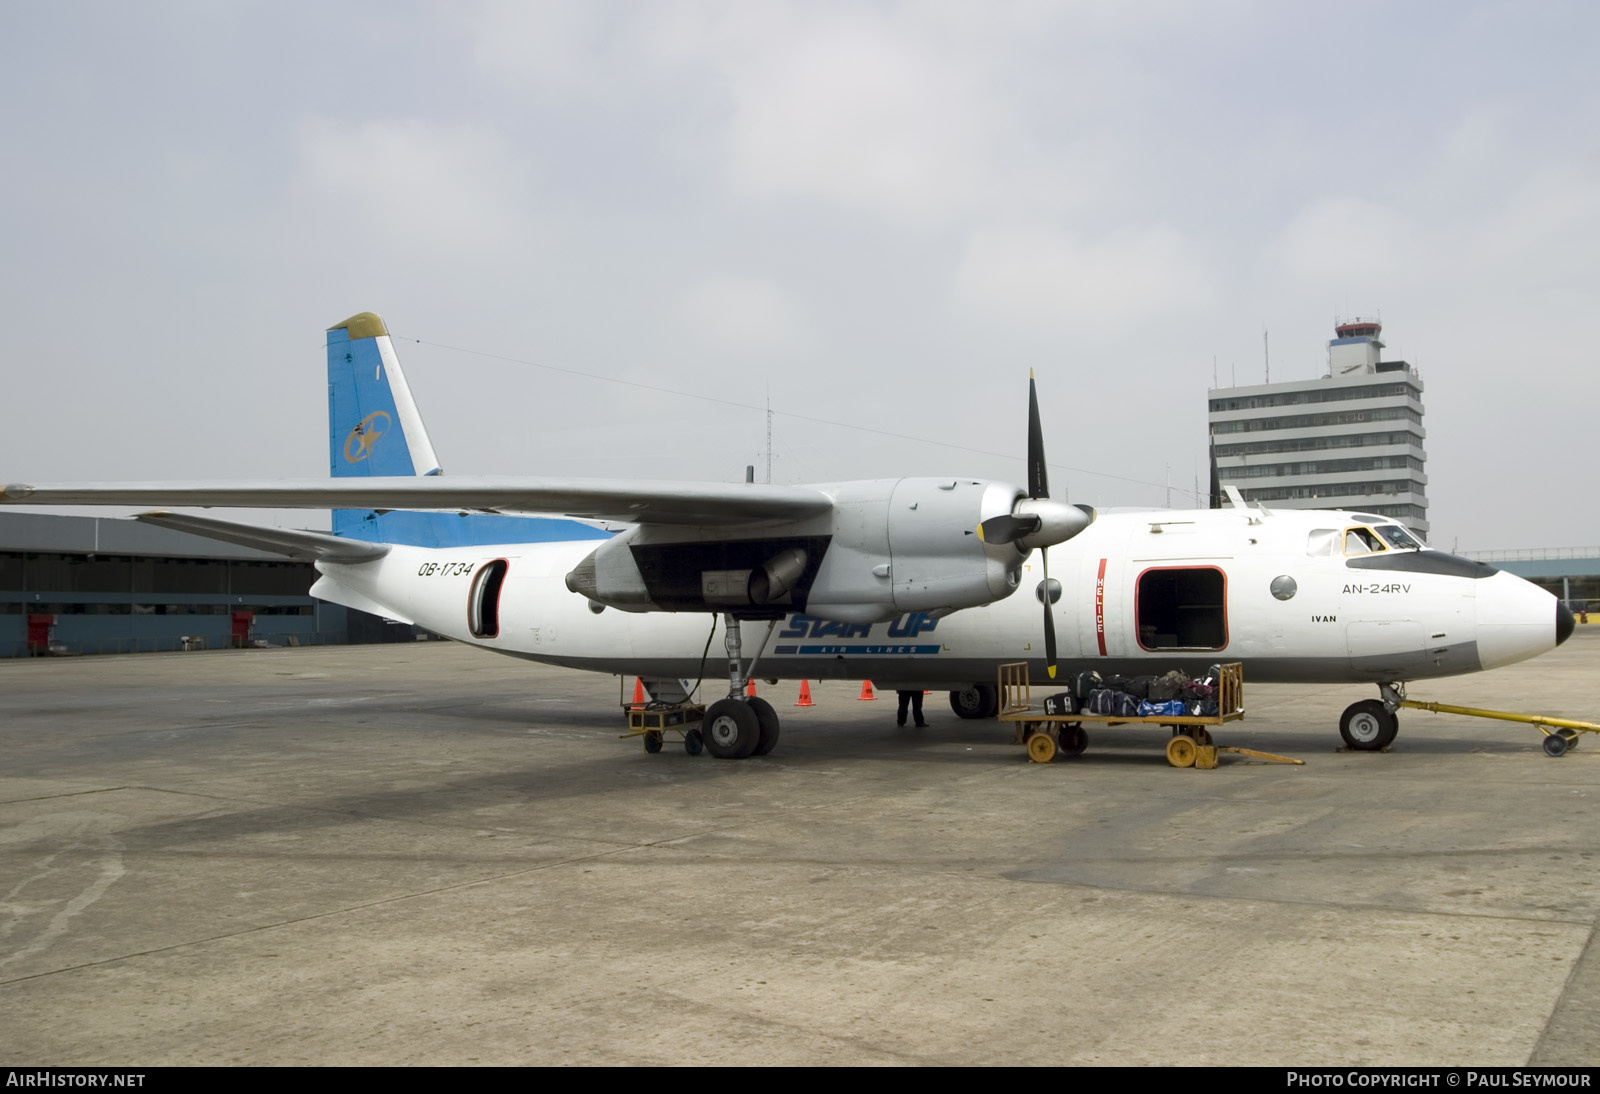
x=1181, y=751
x=1041, y=748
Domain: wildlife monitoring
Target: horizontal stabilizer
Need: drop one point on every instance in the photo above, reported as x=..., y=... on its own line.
x=297, y=544
x=625, y=501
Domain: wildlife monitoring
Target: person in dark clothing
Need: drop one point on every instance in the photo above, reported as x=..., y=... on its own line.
x=915, y=699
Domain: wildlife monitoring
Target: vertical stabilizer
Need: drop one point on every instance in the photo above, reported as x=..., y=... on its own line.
x=373, y=423
x=375, y=429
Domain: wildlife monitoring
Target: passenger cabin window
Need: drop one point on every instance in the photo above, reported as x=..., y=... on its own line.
x=1182, y=608
x=1362, y=541
x=483, y=601
x=1322, y=542
x=1398, y=538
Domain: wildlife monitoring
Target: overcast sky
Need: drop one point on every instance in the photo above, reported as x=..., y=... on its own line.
x=878, y=215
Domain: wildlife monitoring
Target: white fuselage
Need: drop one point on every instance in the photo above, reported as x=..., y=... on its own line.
x=1399, y=615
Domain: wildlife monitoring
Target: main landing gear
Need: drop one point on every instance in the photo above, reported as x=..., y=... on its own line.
x=740, y=725
x=976, y=701
x=1371, y=725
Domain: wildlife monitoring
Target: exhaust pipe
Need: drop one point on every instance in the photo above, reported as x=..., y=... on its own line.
x=777, y=576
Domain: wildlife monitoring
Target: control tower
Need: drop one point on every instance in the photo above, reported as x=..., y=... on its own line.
x=1350, y=440
x=1355, y=349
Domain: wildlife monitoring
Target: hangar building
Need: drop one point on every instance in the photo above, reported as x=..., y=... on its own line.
x=99, y=585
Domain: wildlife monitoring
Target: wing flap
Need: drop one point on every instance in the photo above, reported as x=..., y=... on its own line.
x=624, y=501
x=295, y=543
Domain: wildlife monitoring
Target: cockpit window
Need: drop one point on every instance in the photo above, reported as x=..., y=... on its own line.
x=1322, y=542
x=1398, y=538
x=1362, y=541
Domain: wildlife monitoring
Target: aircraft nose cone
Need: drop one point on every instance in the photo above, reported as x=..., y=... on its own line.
x=1564, y=623
x=1513, y=620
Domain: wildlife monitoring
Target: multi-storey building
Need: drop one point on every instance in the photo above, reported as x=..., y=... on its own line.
x=1351, y=440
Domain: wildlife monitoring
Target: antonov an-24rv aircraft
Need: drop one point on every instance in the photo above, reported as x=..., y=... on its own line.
x=913, y=582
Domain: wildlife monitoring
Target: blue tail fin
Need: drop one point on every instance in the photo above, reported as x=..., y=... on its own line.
x=374, y=429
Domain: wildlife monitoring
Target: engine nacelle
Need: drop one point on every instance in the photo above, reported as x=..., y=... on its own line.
x=652, y=568
x=888, y=547
x=914, y=547
x=610, y=576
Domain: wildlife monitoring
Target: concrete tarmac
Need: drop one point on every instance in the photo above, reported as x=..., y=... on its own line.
x=424, y=854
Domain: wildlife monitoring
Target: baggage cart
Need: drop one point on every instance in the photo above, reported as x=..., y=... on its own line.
x=655, y=720
x=1190, y=744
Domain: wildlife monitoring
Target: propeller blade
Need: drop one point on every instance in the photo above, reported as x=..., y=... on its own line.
x=1038, y=480
x=1008, y=528
x=1049, y=620
x=1216, y=476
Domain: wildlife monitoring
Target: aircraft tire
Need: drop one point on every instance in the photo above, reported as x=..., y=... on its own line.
x=731, y=729
x=767, y=719
x=1368, y=727
x=977, y=701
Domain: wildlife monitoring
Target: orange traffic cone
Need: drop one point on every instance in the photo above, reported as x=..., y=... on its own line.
x=866, y=690
x=805, y=694
x=638, y=692
x=750, y=687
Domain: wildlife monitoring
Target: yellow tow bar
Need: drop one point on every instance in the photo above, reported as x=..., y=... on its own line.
x=1560, y=734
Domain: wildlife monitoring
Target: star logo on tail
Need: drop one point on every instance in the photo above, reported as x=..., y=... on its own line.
x=358, y=445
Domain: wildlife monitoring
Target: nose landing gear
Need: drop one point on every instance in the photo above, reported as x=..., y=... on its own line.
x=1371, y=725
x=1367, y=727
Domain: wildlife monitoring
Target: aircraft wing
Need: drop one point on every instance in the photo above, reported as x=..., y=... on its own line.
x=626, y=501
x=295, y=543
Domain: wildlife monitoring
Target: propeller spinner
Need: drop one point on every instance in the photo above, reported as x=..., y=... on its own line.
x=1036, y=520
